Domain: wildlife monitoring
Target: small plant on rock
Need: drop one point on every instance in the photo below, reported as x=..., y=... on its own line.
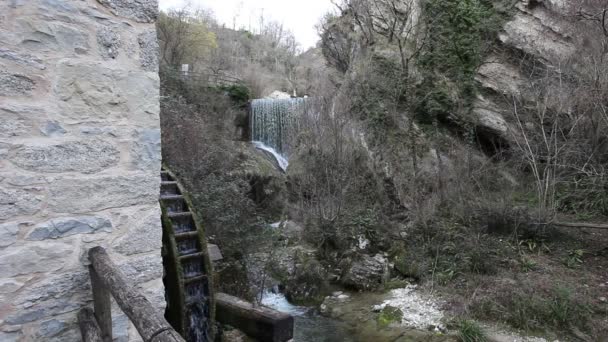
x=470, y=331
x=388, y=315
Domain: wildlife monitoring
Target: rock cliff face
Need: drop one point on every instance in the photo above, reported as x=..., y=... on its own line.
x=79, y=158
x=543, y=32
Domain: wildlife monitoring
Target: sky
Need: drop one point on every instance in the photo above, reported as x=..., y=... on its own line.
x=300, y=16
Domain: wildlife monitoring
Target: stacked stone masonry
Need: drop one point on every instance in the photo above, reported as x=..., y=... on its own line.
x=79, y=158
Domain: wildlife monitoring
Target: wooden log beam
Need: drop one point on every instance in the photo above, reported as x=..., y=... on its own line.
x=581, y=225
x=260, y=323
x=89, y=329
x=102, y=304
x=149, y=323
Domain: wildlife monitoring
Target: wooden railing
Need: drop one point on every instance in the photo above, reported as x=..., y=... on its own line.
x=108, y=281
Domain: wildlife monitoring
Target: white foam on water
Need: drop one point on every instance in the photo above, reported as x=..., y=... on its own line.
x=283, y=162
x=278, y=302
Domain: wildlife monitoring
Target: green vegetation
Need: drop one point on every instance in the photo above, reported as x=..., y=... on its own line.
x=533, y=309
x=388, y=315
x=392, y=159
x=240, y=94
x=470, y=331
x=459, y=33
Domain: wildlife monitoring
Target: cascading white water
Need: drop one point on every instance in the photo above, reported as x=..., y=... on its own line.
x=283, y=162
x=273, y=123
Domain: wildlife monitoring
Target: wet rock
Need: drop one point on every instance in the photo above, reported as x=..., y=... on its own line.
x=62, y=227
x=144, y=11
x=15, y=202
x=366, y=273
x=148, y=50
x=82, y=156
x=109, y=42
x=74, y=195
x=15, y=84
x=8, y=234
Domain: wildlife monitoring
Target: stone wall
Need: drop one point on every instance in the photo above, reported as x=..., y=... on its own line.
x=79, y=158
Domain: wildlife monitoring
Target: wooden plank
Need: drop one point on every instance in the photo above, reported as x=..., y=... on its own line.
x=260, y=323
x=102, y=303
x=149, y=323
x=89, y=329
x=581, y=225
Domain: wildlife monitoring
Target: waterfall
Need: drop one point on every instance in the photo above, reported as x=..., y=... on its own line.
x=283, y=162
x=273, y=124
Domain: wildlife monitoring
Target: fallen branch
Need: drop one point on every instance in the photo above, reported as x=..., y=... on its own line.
x=581, y=225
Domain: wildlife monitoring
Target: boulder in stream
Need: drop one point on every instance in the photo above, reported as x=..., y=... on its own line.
x=367, y=273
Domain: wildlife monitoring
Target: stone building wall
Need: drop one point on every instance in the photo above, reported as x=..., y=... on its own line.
x=79, y=158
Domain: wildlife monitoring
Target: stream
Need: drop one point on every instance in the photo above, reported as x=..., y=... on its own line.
x=351, y=317
x=309, y=325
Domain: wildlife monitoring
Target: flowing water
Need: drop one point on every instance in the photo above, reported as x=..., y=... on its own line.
x=283, y=162
x=309, y=325
x=273, y=122
x=352, y=317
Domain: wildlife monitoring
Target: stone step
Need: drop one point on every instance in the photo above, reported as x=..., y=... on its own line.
x=214, y=252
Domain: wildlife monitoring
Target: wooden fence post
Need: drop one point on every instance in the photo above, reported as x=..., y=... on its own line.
x=89, y=329
x=150, y=324
x=102, y=305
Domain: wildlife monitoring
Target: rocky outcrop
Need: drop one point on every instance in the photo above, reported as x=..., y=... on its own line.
x=540, y=30
x=79, y=158
x=367, y=273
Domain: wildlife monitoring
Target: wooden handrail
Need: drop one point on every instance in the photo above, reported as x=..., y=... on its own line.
x=106, y=280
x=88, y=326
